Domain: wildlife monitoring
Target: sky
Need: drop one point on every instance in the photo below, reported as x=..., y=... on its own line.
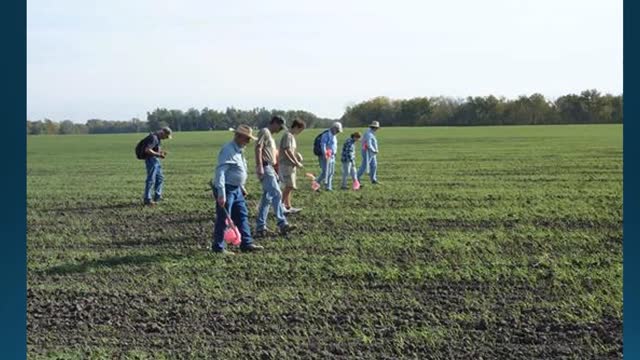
x=118, y=59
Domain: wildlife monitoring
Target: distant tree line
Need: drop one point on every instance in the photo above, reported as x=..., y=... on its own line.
x=590, y=107
x=178, y=120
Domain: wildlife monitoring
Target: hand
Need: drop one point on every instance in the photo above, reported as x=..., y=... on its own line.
x=221, y=201
x=260, y=171
x=300, y=165
x=244, y=192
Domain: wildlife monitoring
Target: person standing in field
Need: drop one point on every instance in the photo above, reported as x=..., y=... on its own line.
x=349, y=159
x=328, y=147
x=289, y=162
x=370, y=153
x=148, y=149
x=230, y=176
x=266, y=161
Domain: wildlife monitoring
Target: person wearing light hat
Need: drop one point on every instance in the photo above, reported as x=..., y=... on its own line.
x=151, y=153
x=327, y=157
x=230, y=176
x=370, y=153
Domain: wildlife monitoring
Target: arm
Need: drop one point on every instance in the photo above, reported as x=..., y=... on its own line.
x=218, y=182
x=372, y=144
x=292, y=157
x=258, y=154
x=149, y=149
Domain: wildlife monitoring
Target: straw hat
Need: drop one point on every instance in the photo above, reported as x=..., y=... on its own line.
x=246, y=131
x=374, y=124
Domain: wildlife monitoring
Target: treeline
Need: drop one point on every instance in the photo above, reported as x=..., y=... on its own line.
x=589, y=107
x=178, y=120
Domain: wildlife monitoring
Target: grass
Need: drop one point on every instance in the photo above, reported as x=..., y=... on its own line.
x=488, y=241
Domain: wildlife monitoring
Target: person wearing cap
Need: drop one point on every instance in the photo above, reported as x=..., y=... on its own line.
x=266, y=162
x=230, y=176
x=370, y=153
x=290, y=161
x=152, y=153
x=327, y=159
x=349, y=159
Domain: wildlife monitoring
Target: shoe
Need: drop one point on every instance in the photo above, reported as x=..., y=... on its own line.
x=294, y=210
x=263, y=233
x=344, y=188
x=223, y=252
x=150, y=203
x=287, y=228
x=286, y=211
x=251, y=248
x=158, y=199
x=374, y=183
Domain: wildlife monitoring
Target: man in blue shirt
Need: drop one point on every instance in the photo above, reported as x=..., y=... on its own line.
x=327, y=157
x=349, y=159
x=151, y=152
x=370, y=153
x=228, y=189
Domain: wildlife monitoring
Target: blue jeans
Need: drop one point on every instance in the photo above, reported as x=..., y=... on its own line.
x=154, y=177
x=237, y=207
x=348, y=169
x=369, y=160
x=327, y=169
x=271, y=195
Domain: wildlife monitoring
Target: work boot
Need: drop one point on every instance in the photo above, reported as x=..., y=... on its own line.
x=286, y=229
x=251, y=248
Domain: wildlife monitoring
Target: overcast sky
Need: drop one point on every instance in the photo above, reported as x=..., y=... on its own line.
x=118, y=59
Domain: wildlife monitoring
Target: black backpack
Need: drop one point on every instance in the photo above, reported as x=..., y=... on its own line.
x=317, y=147
x=141, y=147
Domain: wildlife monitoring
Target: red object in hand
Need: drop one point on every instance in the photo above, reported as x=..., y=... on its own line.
x=327, y=153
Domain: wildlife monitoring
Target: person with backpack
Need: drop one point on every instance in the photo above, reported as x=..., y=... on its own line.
x=370, y=153
x=230, y=176
x=325, y=147
x=266, y=162
x=349, y=159
x=148, y=149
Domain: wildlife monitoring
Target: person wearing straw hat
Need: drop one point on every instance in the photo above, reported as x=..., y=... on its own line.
x=149, y=150
x=266, y=162
x=230, y=177
x=370, y=153
x=327, y=157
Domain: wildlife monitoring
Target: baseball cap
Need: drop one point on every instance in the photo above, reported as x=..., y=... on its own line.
x=280, y=120
x=337, y=125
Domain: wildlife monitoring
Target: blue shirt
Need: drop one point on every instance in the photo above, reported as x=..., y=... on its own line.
x=231, y=168
x=329, y=141
x=151, y=141
x=349, y=151
x=369, y=142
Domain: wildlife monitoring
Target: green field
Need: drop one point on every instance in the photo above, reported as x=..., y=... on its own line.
x=487, y=242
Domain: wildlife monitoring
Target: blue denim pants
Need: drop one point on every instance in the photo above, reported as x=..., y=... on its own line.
x=154, y=177
x=369, y=160
x=271, y=196
x=237, y=208
x=327, y=170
